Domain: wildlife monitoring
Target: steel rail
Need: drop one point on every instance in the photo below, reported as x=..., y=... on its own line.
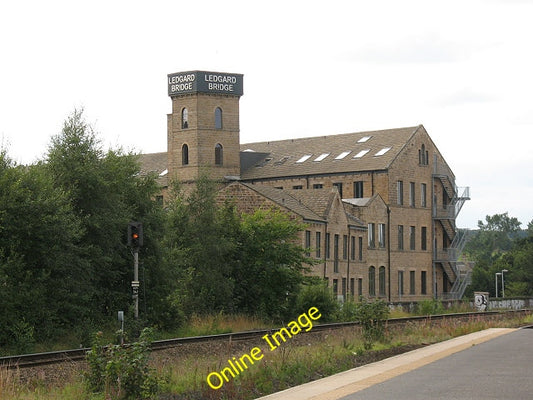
x=55, y=357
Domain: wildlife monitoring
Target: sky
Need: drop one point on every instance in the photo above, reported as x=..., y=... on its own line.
x=463, y=69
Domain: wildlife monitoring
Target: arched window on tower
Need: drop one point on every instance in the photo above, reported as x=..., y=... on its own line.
x=219, y=155
x=184, y=155
x=218, y=118
x=184, y=119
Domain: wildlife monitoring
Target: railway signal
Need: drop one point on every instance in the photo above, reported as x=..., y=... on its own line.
x=135, y=234
x=135, y=241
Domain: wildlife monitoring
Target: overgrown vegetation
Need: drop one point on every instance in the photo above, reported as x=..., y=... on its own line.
x=429, y=307
x=372, y=316
x=223, y=261
x=121, y=372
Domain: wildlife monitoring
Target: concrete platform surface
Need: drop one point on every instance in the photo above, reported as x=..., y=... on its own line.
x=345, y=383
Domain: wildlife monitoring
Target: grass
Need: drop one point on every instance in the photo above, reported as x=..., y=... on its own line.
x=196, y=326
x=298, y=360
x=13, y=389
x=217, y=324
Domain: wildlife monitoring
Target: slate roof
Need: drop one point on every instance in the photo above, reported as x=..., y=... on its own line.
x=287, y=200
x=323, y=154
x=155, y=163
x=309, y=156
x=310, y=204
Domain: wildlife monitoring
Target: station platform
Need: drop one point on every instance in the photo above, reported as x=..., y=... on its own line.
x=351, y=384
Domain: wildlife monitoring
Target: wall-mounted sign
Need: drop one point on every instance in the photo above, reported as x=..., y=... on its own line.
x=481, y=301
x=205, y=82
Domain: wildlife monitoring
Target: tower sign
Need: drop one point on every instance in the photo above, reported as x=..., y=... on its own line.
x=205, y=82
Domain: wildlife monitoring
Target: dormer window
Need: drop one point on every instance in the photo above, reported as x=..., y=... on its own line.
x=184, y=119
x=218, y=118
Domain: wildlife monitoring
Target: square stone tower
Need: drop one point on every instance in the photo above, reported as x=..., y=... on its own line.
x=203, y=129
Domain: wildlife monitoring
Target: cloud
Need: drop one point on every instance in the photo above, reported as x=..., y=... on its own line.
x=463, y=96
x=424, y=49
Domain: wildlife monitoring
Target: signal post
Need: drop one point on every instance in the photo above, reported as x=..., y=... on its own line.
x=135, y=241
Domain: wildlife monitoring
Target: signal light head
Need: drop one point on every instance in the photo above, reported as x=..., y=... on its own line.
x=135, y=234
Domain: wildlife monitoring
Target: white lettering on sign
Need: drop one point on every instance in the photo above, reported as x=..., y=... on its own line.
x=181, y=78
x=220, y=78
x=222, y=83
x=220, y=86
x=181, y=87
x=181, y=83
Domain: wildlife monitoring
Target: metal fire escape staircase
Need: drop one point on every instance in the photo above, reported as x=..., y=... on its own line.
x=445, y=215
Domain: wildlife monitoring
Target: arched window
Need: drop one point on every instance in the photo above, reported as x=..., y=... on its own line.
x=184, y=119
x=372, y=281
x=184, y=155
x=218, y=118
x=382, y=281
x=219, y=154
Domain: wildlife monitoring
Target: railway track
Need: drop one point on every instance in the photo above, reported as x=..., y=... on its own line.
x=56, y=357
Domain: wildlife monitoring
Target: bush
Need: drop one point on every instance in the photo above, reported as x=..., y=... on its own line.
x=317, y=294
x=372, y=316
x=22, y=335
x=122, y=372
x=430, y=307
x=348, y=311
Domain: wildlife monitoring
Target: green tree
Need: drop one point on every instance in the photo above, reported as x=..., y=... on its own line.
x=498, y=246
x=493, y=237
x=222, y=261
x=106, y=191
x=519, y=264
x=199, y=249
x=40, y=263
x=271, y=264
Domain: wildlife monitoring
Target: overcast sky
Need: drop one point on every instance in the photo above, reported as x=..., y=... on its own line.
x=463, y=69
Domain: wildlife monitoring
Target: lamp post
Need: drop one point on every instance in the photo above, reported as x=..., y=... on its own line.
x=503, y=284
x=496, y=280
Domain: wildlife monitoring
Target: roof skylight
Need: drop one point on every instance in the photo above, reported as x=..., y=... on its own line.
x=361, y=153
x=321, y=157
x=364, y=139
x=342, y=155
x=304, y=158
x=382, y=151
